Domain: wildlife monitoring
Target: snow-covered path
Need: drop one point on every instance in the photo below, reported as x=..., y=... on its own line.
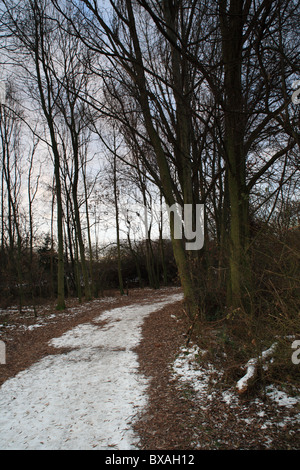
x=87, y=398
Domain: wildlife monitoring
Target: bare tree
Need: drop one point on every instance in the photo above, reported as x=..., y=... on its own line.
x=32, y=32
x=10, y=134
x=254, y=54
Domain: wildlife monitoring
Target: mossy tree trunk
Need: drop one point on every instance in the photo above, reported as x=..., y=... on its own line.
x=232, y=22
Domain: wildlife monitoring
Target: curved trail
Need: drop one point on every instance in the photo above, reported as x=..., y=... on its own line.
x=87, y=398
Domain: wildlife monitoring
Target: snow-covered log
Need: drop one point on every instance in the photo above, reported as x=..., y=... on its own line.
x=251, y=367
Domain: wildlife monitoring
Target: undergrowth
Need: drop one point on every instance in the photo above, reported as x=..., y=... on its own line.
x=235, y=336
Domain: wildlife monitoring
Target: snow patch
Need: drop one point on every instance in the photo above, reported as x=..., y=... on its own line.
x=189, y=370
x=281, y=398
x=202, y=377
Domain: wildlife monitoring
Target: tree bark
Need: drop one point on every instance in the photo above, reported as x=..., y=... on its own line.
x=164, y=170
x=120, y=277
x=231, y=22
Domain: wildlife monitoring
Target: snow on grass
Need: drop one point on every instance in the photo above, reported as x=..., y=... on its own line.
x=281, y=398
x=189, y=370
x=204, y=379
x=44, y=317
x=87, y=398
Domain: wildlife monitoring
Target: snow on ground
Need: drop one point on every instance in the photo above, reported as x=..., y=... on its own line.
x=190, y=368
x=44, y=318
x=87, y=398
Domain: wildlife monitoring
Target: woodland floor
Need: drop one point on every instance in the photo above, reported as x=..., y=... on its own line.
x=177, y=416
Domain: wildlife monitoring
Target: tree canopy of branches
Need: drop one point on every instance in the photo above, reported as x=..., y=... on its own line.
x=201, y=93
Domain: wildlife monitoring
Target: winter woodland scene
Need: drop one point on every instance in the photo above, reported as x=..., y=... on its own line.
x=150, y=225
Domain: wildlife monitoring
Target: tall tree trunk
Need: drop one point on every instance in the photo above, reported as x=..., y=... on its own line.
x=87, y=289
x=120, y=277
x=232, y=44
x=165, y=176
x=45, y=96
x=60, y=269
x=88, y=229
x=162, y=247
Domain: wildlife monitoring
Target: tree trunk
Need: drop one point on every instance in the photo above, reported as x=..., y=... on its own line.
x=120, y=277
x=47, y=110
x=164, y=171
x=88, y=229
x=87, y=290
x=60, y=269
x=232, y=43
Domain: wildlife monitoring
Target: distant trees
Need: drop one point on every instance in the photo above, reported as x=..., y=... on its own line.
x=11, y=222
x=56, y=76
